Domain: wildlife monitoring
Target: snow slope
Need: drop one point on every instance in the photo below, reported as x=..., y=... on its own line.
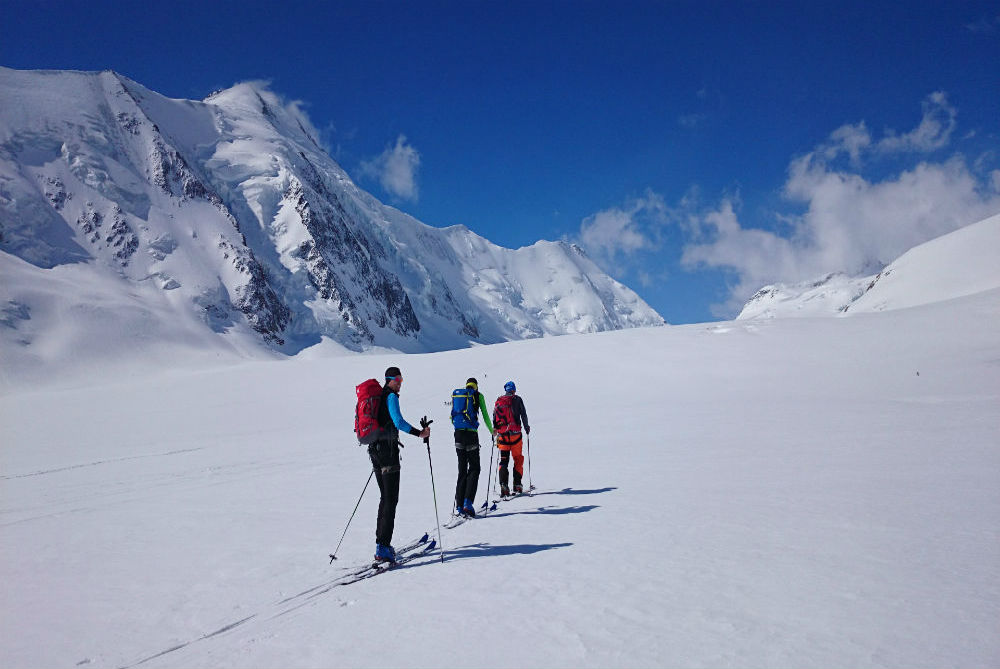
x=963, y=262
x=791, y=492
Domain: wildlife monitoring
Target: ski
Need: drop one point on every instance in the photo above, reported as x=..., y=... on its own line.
x=507, y=498
x=405, y=554
x=403, y=559
x=408, y=547
x=455, y=521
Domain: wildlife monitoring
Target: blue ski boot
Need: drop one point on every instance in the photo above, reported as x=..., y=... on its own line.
x=384, y=553
x=468, y=509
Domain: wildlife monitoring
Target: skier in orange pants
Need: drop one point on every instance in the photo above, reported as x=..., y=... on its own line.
x=509, y=418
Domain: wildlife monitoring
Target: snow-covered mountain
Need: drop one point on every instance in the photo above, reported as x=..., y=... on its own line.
x=963, y=262
x=185, y=220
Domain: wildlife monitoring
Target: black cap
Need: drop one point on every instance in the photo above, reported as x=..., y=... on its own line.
x=392, y=373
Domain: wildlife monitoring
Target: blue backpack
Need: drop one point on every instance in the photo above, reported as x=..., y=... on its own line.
x=464, y=413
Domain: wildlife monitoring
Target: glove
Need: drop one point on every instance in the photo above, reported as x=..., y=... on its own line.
x=527, y=429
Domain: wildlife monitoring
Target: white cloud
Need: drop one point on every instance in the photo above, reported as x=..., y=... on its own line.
x=618, y=231
x=851, y=223
x=845, y=220
x=395, y=169
x=934, y=131
x=852, y=139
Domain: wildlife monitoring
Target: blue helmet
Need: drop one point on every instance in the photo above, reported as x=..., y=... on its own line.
x=509, y=387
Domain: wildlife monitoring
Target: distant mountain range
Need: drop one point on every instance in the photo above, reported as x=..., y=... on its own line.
x=168, y=219
x=963, y=262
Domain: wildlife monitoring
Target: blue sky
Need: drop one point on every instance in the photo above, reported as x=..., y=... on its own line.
x=696, y=150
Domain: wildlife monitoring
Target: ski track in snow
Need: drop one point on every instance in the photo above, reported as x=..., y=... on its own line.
x=359, y=573
x=99, y=462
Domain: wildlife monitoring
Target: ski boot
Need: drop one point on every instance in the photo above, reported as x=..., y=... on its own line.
x=468, y=509
x=385, y=554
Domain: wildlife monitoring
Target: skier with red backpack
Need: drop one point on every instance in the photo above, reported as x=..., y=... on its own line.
x=378, y=422
x=509, y=418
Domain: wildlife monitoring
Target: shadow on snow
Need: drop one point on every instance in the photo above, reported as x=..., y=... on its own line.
x=571, y=491
x=543, y=510
x=486, y=550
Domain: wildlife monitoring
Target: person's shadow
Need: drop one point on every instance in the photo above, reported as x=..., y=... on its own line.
x=571, y=491
x=542, y=510
x=481, y=550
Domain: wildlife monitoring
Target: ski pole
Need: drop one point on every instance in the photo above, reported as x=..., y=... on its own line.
x=427, y=440
x=496, y=474
x=489, y=475
x=333, y=555
x=530, y=484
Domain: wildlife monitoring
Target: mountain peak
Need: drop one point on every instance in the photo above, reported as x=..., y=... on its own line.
x=224, y=219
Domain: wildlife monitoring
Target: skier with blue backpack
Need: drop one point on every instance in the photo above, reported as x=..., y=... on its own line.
x=466, y=405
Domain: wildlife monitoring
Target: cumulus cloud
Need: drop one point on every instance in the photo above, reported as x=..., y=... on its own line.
x=846, y=212
x=850, y=139
x=934, y=130
x=395, y=169
x=851, y=223
x=932, y=133
x=621, y=231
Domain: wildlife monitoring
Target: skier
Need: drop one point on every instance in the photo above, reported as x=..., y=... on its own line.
x=384, y=455
x=510, y=417
x=466, y=405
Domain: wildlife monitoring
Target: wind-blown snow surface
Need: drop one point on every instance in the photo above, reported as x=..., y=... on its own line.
x=798, y=492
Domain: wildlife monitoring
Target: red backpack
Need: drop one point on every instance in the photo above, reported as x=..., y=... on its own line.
x=366, y=412
x=503, y=415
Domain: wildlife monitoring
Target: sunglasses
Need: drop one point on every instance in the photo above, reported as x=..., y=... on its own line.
x=394, y=378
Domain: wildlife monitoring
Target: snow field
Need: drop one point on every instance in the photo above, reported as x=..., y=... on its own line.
x=779, y=493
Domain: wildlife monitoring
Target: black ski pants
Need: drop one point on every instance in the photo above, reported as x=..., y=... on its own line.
x=385, y=461
x=467, y=448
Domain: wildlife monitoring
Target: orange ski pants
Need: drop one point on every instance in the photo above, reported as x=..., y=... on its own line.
x=510, y=444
